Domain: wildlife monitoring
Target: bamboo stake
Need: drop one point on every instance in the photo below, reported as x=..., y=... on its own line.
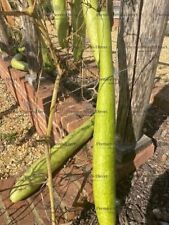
x=45, y=34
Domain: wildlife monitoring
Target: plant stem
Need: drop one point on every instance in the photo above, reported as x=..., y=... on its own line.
x=49, y=130
x=60, y=72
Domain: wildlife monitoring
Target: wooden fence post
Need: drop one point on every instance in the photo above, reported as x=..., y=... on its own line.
x=140, y=37
x=32, y=45
x=4, y=40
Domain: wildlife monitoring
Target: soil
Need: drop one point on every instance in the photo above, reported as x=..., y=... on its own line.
x=144, y=195
x=19, y=145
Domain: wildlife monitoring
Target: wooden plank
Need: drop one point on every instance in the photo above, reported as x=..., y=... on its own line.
x=31, y=43
x=140, y=39
x=4, y=40
x=7, y=7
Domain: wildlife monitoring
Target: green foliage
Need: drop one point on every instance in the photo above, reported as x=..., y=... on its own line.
x=79, y=29
x=8, y=137
x=61, y=21
x=47, y=6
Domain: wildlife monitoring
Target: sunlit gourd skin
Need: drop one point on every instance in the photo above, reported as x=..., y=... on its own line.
x=61, y=22
x=104, y=130
x=90, y=16
x=79, y=29
x=18, y=63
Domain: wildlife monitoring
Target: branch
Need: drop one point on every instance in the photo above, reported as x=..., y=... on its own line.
x=26, y=12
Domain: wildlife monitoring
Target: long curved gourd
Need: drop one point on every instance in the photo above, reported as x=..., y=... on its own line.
x=47, y=60
x=104, y=131
x=61, y=21
x=45, y=57
x=18, y=64
x=79, y=29
x=36, y=174
x=90, y=15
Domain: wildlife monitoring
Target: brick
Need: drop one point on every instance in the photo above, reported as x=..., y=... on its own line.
x=143, y=156
x=70, y=112
x=68, y=184
x=71, y=126
x=161, y=99
x=62, y=106
x=41, y=204
x=40, y=207
x=22, y=97
x=46, y=87
x=67, y=118
x=18, y=213
x=29, y=93
x=58, y=131
x=39, y=109
x=81, y=109
x=123, y=170
x=13, y=79
x=5, y=75
x=155, y=92
x=39, y=122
